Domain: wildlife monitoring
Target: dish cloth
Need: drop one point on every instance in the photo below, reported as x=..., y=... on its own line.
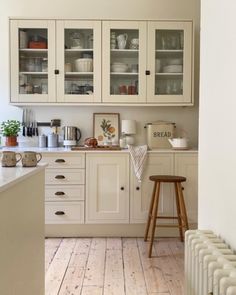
x=138, y=157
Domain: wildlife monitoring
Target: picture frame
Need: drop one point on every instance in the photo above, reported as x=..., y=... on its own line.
x=106, y=128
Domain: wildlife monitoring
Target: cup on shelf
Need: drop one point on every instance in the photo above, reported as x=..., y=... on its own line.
x=131, y=90
x=123, y=89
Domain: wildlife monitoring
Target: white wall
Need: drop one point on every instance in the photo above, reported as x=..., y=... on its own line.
x=217, y=187
x=186, y=118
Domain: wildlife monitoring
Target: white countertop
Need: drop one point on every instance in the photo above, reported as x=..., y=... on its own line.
x=9, y=176
x=63, y=150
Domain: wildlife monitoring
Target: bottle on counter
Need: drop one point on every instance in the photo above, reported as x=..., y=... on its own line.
x=123, y=141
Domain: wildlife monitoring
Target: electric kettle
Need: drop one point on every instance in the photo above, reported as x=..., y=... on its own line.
x=72, y=135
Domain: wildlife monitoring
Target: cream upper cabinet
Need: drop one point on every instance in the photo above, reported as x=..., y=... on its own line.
x=186, y=164
x=124, y=61
x=32, y=51
x=79, y=61
x=96, y=61
x=170, y=61
x=140, y=193
x=55, y=61
x=107, y=188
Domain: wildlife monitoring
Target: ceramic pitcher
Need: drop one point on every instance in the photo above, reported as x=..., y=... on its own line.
x=122, y=40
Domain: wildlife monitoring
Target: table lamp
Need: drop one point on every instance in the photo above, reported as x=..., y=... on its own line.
x=128, y=127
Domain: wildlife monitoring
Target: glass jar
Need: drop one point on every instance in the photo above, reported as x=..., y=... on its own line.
x=38, y=64
x=77, y=40
x=44, y=64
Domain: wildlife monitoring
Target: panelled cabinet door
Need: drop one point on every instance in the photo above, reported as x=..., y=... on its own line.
x=124, y=61
x=79, y=61
x=140, y=193
x=32, y=49
x=170, y=61
x=187, y=165
x=107, y=188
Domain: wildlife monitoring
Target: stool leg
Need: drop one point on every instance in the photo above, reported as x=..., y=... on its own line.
x=179, y=213
x=154, y=218
x=150, y=212
x=182, y=204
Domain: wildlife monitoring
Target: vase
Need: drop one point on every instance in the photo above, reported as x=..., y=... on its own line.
x=11, y=141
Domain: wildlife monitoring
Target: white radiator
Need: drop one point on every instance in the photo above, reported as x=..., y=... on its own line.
x=210, y=265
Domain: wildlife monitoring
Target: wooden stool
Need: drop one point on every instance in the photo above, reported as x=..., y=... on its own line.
x=180, y=205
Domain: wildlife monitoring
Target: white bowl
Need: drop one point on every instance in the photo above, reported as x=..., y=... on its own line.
x=175, y=61
x=84, y=65
x=173, y=69
x=119, y=67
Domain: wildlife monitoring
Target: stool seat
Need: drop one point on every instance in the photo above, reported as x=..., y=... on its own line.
x=167, y=178
x=153, y=209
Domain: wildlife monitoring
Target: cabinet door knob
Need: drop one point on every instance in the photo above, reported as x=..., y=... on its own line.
x=59, y=213
x=60, y=161
x=60, y=177
x=59, y=193
x=56, y=72
x=122, y=188
x=137, y=188
x=147, y=73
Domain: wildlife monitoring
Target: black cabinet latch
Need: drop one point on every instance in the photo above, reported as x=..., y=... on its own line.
x=147, y=73
x=56, y=72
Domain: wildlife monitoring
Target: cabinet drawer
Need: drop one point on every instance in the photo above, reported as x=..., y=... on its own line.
x=64, y=160
x=64, y=212
x=64, y=193
x=64, y=176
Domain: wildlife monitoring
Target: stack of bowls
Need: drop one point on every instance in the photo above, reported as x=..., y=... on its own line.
x=119, y=67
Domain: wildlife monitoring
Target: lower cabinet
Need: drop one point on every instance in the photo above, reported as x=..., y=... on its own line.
x=107, y=188
x=183, y=164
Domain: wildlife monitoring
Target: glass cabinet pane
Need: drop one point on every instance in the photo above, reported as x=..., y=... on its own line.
x=78, y=67
x=169, y=46
x=33, y=61
x=124, y=62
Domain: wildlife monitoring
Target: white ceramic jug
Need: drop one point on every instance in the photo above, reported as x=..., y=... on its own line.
x=122, y=40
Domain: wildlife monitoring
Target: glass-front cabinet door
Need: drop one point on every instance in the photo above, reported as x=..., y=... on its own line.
x=124, y=61
x=170, y=62
x=32, y=61
x=79, y=61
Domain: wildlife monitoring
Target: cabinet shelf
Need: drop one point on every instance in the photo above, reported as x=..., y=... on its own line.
x=34, y=73
x=79, y=73
x=170, y=50
x=124, y=52
x=124, y=74
x=33, y=50
x=169, y=74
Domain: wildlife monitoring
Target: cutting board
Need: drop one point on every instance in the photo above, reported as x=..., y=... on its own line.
x=98, y=148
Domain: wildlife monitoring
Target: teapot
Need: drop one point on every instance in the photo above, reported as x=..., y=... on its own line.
x=179, y=143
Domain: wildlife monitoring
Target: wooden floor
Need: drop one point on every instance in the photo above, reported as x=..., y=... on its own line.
x=113, y=266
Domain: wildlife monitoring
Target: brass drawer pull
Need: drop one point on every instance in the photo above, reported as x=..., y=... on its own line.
x=60, y=177
x=59, y=193
x=59, y=213
x=60, y=161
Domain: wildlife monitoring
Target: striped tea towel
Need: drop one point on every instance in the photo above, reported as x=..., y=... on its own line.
x=138, y=156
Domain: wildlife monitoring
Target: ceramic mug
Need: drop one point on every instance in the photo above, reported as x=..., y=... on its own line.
x=9, y=159
x=30, y=159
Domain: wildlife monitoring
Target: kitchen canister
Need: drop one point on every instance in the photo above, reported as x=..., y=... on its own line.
x=52, y=140
x=42, y=141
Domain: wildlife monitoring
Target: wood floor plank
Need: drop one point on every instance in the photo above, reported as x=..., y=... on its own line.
x=51, y=247
x=114, y=244
x=154, y=278
x=73, y=280
x=57, y=268
x=134, y=277
x=114, y=275
x=170, y=269
x=92, y=290
x=94, y=274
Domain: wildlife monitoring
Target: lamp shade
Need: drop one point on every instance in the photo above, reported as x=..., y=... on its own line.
x=128, y=126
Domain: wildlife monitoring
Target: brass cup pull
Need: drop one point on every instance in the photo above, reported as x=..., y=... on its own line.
x=59, y=213
x=60, y=161
x=59, y=193
x=60, y=177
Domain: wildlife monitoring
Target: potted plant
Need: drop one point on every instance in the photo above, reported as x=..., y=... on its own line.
x=10, y=129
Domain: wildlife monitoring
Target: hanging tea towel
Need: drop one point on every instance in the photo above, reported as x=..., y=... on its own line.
x=138, y=157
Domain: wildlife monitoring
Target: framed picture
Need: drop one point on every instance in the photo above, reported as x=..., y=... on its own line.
x=106, y=128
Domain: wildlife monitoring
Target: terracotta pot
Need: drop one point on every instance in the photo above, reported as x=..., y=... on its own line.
x=11, y=141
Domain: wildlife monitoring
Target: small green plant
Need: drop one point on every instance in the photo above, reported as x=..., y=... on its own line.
x=10, y=128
